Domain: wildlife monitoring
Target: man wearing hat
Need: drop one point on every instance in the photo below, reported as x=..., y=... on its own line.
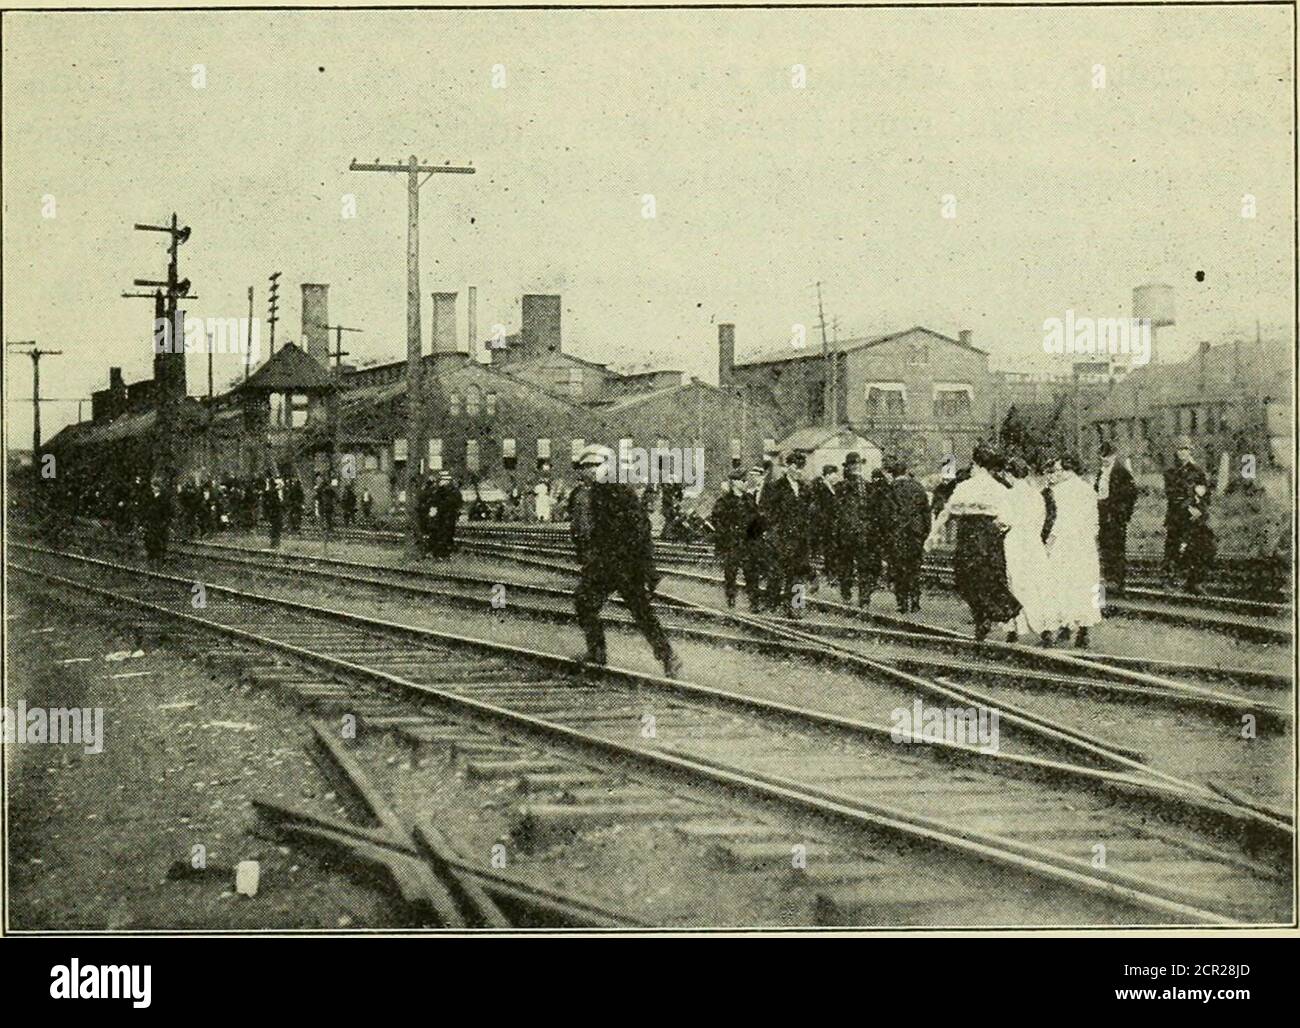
x=611, y=536
x=734, y=516
x=862, y=520
x=821, y=505
x=1181, y=506
x=447, y=502
x=909, y=525
x=784, y=507
x=1116, y=498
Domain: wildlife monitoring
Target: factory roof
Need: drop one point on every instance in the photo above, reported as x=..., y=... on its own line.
x=289, y=368
x=813, y=351
x=1228, y=371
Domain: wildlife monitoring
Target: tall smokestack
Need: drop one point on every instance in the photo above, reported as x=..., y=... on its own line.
x=315, y=321
x=726, y=353
x=473, y=322
x=539, y=332
x=444, y=323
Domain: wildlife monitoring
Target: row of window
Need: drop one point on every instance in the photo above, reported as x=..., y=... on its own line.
x=1193, y=420
x=509, y=451
x=472, y=402
x=950, y=400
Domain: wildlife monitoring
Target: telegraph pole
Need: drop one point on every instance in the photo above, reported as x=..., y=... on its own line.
x=331, y=401
x=272, y=306
x=415, y=446
x=35, y=353
x=248, y=350
x=828, y=413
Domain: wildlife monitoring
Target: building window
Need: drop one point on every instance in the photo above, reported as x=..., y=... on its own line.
x=543, y=449
x=473, y=397
x=575, y=381
x=435, y=455
x=953, y=400
x=453, y=403
x=399, y=450
x=371, y=462
x=1191, y=413
x=490, y=404
x=471, y=454
x=886, y=399
x=508, y=454
x=735, y=449
x=299, y=402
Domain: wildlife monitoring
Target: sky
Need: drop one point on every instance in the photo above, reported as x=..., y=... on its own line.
x=1066, y=195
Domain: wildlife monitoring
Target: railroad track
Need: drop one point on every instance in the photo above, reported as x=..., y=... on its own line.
x=1174, y=853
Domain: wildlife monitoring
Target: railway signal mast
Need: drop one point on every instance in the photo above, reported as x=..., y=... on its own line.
x=272, y=306
x=168, y=343
x=415, y=446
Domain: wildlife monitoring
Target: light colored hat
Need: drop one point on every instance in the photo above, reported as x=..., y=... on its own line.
x=595, y=454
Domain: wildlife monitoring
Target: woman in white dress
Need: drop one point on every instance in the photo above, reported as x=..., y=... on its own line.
x=542, y=501
x=1074, y=565
x=1027, y=567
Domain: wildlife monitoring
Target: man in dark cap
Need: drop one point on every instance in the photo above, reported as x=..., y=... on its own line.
x=784, y=508
x=614, y=548
x=1187, y=491
x=909, y=524
x=732, y=518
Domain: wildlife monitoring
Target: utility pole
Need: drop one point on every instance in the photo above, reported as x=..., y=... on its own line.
x=248, y=349
x=415, y=446
x=273, y=307
x=35, y=353
x=169, y=351
x=331, y=401
x=828, y=386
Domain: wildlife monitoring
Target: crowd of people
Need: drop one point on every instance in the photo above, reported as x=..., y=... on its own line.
x=1039, y=543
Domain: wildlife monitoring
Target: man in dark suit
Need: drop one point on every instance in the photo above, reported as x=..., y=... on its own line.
x=1181, y=510
x=732, y=518
x=909, y=527
x=861, y=518
x=612, y=541
x=1116, y=497
x=447, y=502
x=784, y=508
x=821, y=506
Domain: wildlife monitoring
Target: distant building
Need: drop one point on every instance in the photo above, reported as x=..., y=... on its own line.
x=917, y=393
x=1234, y=398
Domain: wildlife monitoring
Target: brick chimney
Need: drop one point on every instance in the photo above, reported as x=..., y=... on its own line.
x=315, y=318
x=443, y=330
x=540, y=331
x=726, y=353
x=964, y=337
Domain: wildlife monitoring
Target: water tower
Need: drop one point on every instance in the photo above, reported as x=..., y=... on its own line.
x=1154, y=304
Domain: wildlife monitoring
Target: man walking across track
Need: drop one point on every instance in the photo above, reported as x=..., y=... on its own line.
x=611, y=536
x=862, y=519
x=909, y=525
x=1116, y=498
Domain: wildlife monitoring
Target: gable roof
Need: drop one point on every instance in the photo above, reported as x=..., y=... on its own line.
x=814, y=352
x=290, y=367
